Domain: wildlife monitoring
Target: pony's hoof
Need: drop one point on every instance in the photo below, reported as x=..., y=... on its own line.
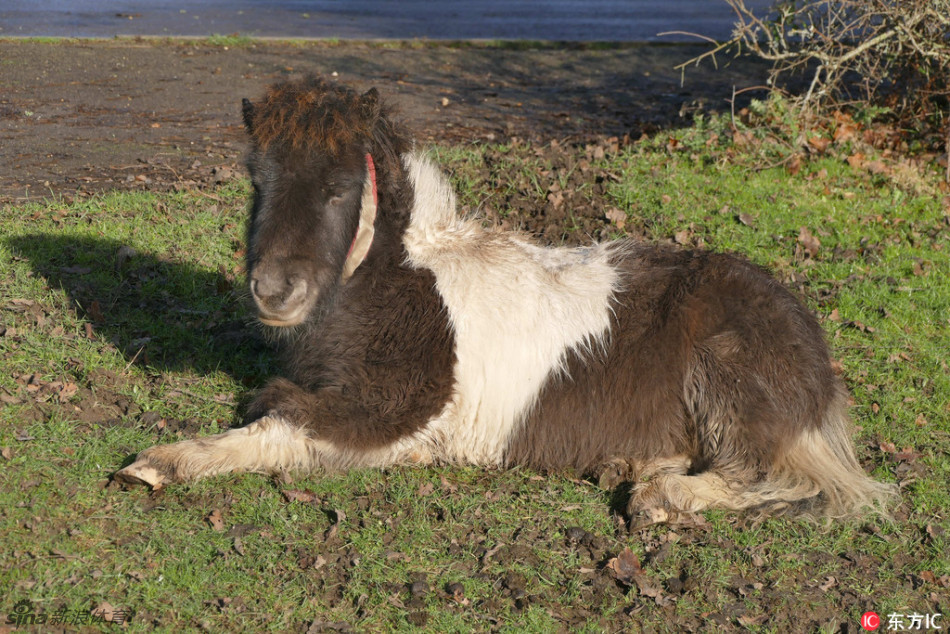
x=142, y=472
x=614, y=473
x=644, y=517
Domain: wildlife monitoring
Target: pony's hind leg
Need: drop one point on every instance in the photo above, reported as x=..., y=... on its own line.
x=816, y=474
x=665, y=496
x=268, y=445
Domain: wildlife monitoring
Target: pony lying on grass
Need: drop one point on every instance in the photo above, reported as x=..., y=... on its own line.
x=412, y=335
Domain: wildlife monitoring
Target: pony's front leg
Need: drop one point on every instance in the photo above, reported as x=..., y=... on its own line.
x=268, y=445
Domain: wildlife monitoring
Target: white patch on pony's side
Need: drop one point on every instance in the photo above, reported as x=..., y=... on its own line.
x=516, y=310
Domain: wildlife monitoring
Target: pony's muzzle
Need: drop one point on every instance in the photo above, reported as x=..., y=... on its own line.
x=280, y=298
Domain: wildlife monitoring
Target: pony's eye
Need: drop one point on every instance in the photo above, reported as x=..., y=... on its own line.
x=335, y=200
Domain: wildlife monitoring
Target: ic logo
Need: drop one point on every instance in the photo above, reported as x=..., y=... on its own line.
x=870, y=621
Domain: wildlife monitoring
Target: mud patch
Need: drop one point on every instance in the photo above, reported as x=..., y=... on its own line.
x=122, y=115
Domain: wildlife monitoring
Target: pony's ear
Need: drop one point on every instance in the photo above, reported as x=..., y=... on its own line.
x=369, y=104
x=247, y=111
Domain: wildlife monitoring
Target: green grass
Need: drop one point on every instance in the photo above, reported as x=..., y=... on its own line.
x=233, y=40
x=157, y=353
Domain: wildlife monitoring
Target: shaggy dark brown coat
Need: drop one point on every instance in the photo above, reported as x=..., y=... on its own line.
x=695, y=376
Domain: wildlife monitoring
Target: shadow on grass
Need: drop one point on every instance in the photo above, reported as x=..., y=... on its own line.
x=161, y=314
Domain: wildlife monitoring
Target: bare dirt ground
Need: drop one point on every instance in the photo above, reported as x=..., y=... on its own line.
x=86, y=116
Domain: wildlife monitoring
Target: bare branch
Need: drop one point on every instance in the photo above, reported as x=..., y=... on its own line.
x=895, y=52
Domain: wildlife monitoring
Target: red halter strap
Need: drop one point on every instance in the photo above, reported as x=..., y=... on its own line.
x=371, y=169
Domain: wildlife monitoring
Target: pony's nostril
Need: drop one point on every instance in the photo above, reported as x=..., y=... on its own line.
x=277, y=292
x=264, y=288
x=298, y=288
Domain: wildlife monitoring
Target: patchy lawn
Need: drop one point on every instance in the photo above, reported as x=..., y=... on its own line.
x=124, y=324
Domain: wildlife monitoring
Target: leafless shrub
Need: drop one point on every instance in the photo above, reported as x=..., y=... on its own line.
x=883, y=54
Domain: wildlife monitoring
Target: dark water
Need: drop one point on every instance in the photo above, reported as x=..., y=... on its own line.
x=562, y=20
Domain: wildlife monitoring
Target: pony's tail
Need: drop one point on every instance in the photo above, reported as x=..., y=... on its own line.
x=820, y=464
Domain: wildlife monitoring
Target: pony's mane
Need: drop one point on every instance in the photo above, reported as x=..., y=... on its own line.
x=311, y=112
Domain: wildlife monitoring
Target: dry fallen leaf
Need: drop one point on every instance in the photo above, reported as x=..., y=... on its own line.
x=216, y=520
x=746, y=219
x=333, y=530
x=794, y=164
x=810, y=243
x=742, y=138
x=34, y=384
x=447, y=486
x=617, y=217
x=907, y=454
x=819, y=143
x=860, y=325
x=104, y=611
x=625, y=567
x=844, y=133
x=829, y=583
x=305, y=497
x=682, y=237
x=67, y=391
x=747, y=620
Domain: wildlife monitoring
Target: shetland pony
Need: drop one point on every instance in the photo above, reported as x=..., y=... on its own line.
x=413, y=335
